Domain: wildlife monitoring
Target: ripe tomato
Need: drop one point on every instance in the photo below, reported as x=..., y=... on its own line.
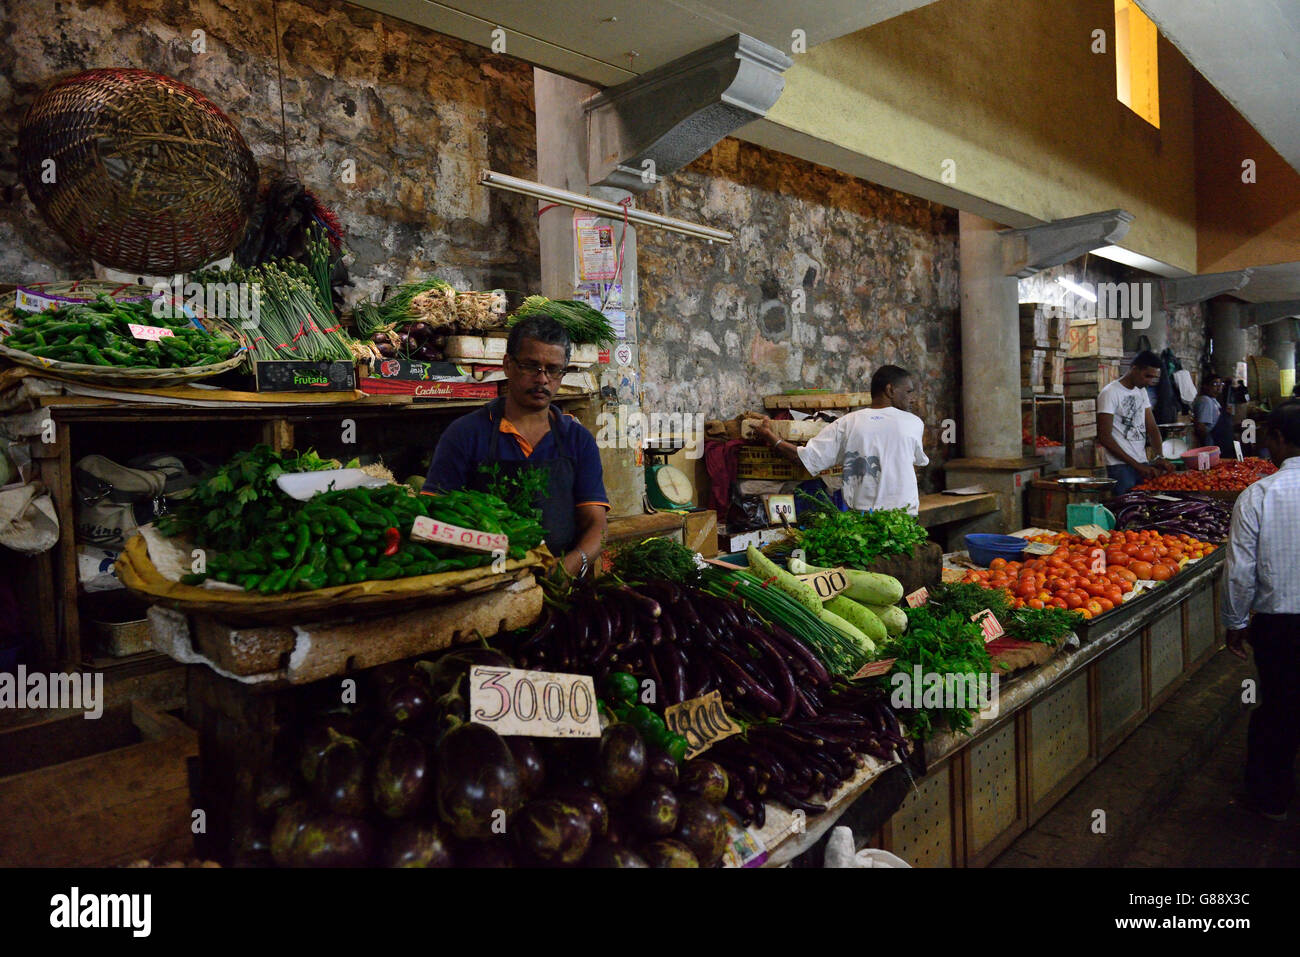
x=997, y=563
x=1142, y=569
x=1036, y=603
x=1147, y=554
x=1094, y=607
x=1106, y=604
x=1162, y=572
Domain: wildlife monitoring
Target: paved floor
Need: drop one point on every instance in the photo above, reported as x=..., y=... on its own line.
x=1163, y=798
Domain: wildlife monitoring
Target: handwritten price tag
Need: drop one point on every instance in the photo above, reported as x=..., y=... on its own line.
x=427, y=529
x=149, y=332
x=1090, y=532
x=780, y=508
x=701, y=721
x=827, y=584
x=918, y=597
x=539, y=704
x=873, y=669
x=1039, y=548
x=988, y=622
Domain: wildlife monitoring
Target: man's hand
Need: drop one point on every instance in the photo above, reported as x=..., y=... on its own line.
x=763, y=430
x=1236, y=641
x=573, y=562
x=1165, y=465
x=1146, y=471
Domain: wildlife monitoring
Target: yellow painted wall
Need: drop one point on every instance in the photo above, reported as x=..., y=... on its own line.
x=1241, y=224
x=1010, y=91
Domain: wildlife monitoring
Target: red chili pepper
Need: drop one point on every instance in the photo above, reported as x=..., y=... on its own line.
x=393, y=540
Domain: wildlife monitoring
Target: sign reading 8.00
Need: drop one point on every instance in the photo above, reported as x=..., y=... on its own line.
x=540, y=704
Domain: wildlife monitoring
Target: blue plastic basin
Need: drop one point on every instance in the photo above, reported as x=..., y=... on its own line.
x=984, y=548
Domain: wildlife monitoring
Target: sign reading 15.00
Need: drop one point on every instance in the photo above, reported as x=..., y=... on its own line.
x=540, y=704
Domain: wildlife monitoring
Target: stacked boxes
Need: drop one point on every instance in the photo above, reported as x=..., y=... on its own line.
x=1084, y=378
x=1033, y=363
x=1103, y=338
x=1081, y=432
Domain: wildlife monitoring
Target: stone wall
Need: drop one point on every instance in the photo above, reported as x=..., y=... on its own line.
x=829, y=277
x=419, y=113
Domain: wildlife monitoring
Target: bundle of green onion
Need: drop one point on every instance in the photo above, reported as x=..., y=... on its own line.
x=840, y=655
x=370, y=317
x=584, y=324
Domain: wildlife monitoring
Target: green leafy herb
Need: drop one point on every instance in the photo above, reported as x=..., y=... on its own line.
x=522, y=491
x=855, y=539
x=943, y=644
x=1046, y=625
x=656, y=559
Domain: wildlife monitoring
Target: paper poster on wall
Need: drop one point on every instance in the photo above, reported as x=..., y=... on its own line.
x=595, y=248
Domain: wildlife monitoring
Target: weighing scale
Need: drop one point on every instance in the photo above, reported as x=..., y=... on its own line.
x=1086, y=512
x=666, y=486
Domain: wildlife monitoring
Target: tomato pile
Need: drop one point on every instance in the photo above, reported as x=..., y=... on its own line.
x=1090, y=577
x=1228, y=476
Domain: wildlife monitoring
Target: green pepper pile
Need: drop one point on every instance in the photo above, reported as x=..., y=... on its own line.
x=621, y=689
x=98, y=333
x=362, y=534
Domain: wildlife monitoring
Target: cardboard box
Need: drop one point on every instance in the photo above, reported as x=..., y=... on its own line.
x=424, y=380
x=700, y=531
x=294, y=375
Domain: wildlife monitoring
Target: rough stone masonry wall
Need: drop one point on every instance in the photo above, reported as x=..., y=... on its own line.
x=876, y=271
x=420, y=114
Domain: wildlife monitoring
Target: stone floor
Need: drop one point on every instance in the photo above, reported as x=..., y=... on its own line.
x=1165, y=794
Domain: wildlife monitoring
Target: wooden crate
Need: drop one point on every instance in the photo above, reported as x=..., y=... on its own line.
x=1054, y=371
x=787, y=429
x=1032, y=375
x=1034, y=326
x=104, y=809
x=1095, y=337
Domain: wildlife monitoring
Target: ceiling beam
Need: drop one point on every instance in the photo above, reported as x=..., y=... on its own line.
x=1035, y=248
x=1266, y=313
x=1190, y=289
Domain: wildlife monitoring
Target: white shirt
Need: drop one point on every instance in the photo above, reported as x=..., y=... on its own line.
x=878, y=449
x=1129, y=407
x=1263, y=564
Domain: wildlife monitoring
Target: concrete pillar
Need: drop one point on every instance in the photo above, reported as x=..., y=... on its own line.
x=1229, y=339
x=990, y=344
x=562, y=162
x=1279, y=345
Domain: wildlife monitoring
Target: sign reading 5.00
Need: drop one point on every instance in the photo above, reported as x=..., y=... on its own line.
x=540, y=704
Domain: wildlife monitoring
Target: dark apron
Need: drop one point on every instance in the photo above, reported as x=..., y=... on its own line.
x=557, y=504
x=1223, y=434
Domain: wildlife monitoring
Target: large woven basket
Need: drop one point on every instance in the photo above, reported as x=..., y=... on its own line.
x=137, y=171
x=113, y=375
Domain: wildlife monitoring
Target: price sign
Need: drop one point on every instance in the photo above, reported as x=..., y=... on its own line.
x=780, y=509
x=427, y=529
x=918, y=597
x=991, y=626
x=1039, y=548
x=1202, y=461
x=539, y=704
x=827, y=584
x=873, y=669
x=1090, y=532
x=149, y=332
x=701, y=721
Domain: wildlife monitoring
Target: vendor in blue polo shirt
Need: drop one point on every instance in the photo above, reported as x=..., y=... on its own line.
x=520, y=430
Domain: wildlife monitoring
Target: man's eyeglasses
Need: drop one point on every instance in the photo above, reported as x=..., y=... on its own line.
x=536, y=369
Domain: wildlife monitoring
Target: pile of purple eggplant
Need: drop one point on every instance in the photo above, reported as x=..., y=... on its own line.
x=688, y=642
x=1202, y=517
x=806, y=731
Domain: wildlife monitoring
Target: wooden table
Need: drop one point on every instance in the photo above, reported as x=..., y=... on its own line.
x=948, y=517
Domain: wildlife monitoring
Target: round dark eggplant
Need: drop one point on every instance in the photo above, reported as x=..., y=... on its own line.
x=660, y=767
x=274, y=788
x=552, y=831
x=591, y=804
x=477, y=781
x=407, y=703
x=444, y=672
x=334, y=840
x=320, y=734
x=493, y=852
x=668, y=853
x=528, y=758
x=340, y=782
x=702, y=828
x=418, y=844
x=622, y=763
x=705, y=779
x=653, y=809
x=288, y=825
x=402, y=779
x=606, y=854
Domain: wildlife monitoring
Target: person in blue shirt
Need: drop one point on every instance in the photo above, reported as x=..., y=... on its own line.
x=521, y=429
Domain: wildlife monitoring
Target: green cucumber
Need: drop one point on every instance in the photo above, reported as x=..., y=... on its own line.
x=865, y=644
x=766, y=569
x=860, y=617
x=894, y=618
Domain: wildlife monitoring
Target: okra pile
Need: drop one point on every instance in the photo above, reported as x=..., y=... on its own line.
x=363, y=534
x=98, y=333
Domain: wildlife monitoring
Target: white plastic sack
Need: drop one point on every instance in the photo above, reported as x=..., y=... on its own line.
x=95, y=569
x=1186, y=388
x=28, y=522
x=840, y=853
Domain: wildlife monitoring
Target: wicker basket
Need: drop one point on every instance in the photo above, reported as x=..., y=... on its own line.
x=82, y=291
x=149, y=176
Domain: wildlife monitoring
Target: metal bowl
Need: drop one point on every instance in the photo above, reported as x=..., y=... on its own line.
x=1080, y=481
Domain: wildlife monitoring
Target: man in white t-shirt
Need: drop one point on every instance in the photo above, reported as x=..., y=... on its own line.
x=1126, y=424
x=879, y=446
